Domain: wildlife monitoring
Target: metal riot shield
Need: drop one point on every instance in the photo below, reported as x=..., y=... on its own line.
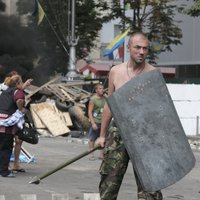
x=151, y=131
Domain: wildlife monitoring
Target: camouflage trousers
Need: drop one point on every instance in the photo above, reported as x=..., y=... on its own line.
x=113, y=168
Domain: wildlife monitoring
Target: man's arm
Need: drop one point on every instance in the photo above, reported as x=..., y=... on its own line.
x=107, y=115
x=106, y=118
x=90, y=114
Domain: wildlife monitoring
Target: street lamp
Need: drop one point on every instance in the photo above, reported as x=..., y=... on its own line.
x=72, y=41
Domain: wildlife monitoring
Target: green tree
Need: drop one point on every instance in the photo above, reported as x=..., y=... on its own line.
x=52, y=45
x=194, y=10
x=88, y=21
x=155, y=17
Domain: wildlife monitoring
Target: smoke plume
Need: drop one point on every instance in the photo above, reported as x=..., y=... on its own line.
x=16, y=52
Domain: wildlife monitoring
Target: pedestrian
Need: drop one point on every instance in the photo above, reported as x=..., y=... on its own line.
x=95, y=110
x=116, y=158
x=11, y=99
x=18, y=143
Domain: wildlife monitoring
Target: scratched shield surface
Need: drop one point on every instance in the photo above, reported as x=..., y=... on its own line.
x=151, y=131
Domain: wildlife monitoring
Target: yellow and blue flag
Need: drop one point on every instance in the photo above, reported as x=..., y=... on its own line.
x=119, y=40
x=39, y=12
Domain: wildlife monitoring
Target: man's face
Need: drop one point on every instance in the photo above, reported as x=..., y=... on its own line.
x=100, y=90
x=138, y=48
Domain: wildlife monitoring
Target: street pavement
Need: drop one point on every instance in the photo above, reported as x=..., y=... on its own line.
x=81, y=178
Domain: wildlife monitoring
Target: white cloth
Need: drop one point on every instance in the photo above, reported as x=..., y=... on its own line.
x=3, y=87
x=15, y=118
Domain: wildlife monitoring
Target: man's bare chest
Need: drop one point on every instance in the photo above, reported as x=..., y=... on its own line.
x=121, y=80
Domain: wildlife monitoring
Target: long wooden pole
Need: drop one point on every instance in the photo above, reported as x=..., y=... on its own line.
x=37, y=179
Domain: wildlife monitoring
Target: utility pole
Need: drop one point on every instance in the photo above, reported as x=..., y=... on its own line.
x=72, y=41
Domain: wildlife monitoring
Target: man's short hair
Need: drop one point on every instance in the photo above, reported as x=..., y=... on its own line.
x=97, y=85
x=135, y=34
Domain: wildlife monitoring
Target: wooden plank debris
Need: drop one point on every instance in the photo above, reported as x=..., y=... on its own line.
x=64, y=116
x=50, y=118
x=41, y=128
x=68, y=93
x=38, y=89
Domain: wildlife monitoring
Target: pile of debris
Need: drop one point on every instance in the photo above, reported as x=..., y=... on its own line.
x=49, y=120
x=58, y=108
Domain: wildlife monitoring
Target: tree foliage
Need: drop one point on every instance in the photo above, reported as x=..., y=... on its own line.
x=88, y=21
x=155, y=17
x=194, y=10
x=53, y=33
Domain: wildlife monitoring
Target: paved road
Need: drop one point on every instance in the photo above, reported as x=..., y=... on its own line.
x=81, y=177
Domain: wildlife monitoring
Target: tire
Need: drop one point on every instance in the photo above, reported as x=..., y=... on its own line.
x=79, y=120
x=63, y=106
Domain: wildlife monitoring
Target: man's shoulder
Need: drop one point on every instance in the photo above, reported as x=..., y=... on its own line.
x=93, y=97
x=118, y=67
x=149, y=67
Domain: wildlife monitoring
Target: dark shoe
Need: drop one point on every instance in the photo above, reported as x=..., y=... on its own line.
x=10, y=175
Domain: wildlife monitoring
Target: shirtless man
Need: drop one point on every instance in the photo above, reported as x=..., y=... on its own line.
x=116, y=159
